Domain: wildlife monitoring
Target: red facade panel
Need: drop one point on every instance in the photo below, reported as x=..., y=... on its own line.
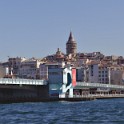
x=74, y=77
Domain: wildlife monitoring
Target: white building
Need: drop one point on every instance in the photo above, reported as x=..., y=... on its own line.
x=3, y=71
x=29, y=68
x=102, y=73
x=14, y=65
x=43, y=71
x=116, y=74
x=98, y=73
x=43, y=68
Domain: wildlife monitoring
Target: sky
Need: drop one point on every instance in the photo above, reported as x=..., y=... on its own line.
x=36, y=28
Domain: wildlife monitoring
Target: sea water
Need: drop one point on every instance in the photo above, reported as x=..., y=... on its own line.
x=107, y=111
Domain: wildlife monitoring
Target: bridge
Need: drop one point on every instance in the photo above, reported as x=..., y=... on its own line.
x=19, y=81
x=80, y=85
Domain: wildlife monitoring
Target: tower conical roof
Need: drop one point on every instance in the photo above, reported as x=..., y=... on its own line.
x=71, y=45
x=71, y=38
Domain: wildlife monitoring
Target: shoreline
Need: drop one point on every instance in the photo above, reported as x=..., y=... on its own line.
x=78, y=99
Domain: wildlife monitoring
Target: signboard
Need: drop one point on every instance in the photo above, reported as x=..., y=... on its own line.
x=73, y=77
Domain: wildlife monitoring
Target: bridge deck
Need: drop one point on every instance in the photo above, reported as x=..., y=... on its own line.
x=81, y=85
x=22, y=81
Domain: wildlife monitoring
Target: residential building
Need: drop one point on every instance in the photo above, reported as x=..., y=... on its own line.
x=4, y=71
x=116, y=74
x=30, y=68
x=98, y=72
x=14, y=65
x=43, y=68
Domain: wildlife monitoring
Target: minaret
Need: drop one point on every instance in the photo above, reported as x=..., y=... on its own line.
x=71, y=45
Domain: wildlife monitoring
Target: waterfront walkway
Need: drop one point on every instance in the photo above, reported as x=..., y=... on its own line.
x=80, y=85
x=19, y=81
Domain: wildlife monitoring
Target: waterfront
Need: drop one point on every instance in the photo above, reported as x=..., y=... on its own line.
x=88, y=112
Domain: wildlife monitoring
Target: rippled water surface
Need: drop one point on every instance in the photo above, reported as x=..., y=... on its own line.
x=109, y=111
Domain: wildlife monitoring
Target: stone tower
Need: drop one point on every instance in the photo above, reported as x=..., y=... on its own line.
x=71, y=45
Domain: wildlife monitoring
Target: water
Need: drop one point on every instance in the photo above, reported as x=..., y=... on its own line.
x=109, y=111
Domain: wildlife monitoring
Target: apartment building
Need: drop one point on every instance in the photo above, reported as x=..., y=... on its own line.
x=29, y=68
x=14, y=65
x=116, y=74
x=43, y=71
x=106, y=74
x=98, y=72
x=4, y=71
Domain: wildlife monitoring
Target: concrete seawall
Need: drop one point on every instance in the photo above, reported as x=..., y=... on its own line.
x=23, y=93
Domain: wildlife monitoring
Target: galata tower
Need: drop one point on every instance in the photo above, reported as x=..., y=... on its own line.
x=71, y=45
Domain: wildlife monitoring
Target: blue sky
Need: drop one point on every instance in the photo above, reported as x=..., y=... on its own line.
x=36, y=28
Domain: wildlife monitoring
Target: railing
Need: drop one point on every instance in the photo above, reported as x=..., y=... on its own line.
x=22, y=81
x=99, y=96
x=98, y=85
